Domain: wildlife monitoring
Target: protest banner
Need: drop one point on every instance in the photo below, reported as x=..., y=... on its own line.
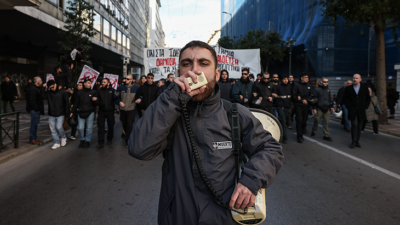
x=163, y=61
x=113, y=80
x=90, y=73
x=49, y=76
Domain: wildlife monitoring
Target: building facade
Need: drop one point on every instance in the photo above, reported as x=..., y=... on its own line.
x=29, y=36
x=157, y=36
x=321, y=48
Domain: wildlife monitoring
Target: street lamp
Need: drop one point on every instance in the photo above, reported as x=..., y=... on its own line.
x=290, y=43
x=231, y=23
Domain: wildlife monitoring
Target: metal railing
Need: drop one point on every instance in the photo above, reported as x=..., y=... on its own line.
x=10, y=129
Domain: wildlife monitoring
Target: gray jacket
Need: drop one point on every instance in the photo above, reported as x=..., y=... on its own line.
x=184, y=198
x=323, y=94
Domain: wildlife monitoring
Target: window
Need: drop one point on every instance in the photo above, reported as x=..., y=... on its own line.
x=119, y=39
x=97, y=21
x=117, y=14
x=106, y=28
x=113, y=33
x=104, y=2
x=128, y=43
x=123, y=40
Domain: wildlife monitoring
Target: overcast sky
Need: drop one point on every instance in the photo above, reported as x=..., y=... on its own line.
x=186, y=20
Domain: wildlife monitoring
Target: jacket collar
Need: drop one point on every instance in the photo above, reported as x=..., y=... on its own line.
x=208, y=106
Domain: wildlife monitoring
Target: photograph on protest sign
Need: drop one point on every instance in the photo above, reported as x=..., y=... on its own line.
x=90, y=73
x=49, y=76
x=113, y=80
x=163, y=61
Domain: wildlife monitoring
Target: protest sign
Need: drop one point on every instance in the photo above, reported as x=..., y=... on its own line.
x=49, y=76
x=113, y=80
x=90, y=73
x=163, y=61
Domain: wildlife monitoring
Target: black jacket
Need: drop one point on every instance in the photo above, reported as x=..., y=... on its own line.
x=392, y=96
x=225, y=88
x=34, y=99
x=325, y=101
x=339, y=96
x=8, y=91
x=74, y=96
x=264, y=90
x=356, y=104
x=304, y=90
x=161, y=89
x=284, y=92
x=85, y=103
x=106, y=99
x=147, y=93
x=58, y=103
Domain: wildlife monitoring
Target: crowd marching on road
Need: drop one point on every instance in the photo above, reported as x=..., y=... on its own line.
x=175, y=117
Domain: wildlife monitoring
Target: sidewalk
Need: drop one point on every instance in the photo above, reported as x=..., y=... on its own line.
x=43, y=132
x=392, y=128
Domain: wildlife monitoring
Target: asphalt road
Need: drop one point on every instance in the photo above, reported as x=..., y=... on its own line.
x=321, y=183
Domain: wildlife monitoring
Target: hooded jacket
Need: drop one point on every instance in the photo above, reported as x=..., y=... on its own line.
x=323, y=94
x=161, y=89
x=184, y=198
x=58, y=103
x=84, y=102
x=225, y=88
x=147, y=93
x=264, y=90
x=284, y=92
x=8, y=91
x=106, y=99
x=304, y=90
x=245, y=89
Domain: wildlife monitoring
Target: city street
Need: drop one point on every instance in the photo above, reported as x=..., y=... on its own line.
x=320, y=183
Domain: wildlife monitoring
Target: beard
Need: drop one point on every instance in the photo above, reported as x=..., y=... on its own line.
x=210, y=86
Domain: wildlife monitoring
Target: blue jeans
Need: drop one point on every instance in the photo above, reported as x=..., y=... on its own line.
x=89, y=127
x=35, y=117
x=345, y=115
x=275, y=112
x=56, y=127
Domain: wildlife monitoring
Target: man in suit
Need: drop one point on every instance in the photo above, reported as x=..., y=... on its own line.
x=356, y=98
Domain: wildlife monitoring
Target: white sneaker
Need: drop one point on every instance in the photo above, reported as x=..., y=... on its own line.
x=55, y=146
x=72, y=138
x=63, y=142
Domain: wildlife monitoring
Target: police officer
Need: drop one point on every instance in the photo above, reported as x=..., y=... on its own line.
x=283, y=103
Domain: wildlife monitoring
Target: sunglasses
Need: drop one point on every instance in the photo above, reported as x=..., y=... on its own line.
x=52, y=87
x=245, y=74
x=325, y=82
x=151, y=78
x=265, y=78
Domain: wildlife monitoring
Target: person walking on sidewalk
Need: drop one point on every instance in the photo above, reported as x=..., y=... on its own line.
x=265, y=91
x=300, y=97
x=323, y=109
x=8, y=93
x=57, y=100
x=371, y=113
x=283, y=103
x=106, y=100
x=34, y=106
x=85, y=103
x=392, y=98
x=126, y=94
x=339, y=101
x=73, y=99
x=357, y=99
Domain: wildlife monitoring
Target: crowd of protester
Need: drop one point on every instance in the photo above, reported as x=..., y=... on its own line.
x=279, y=95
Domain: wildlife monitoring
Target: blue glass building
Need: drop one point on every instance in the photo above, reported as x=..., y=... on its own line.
x=321, y=48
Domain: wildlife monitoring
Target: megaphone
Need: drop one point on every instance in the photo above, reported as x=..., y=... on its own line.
x=258, y=213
